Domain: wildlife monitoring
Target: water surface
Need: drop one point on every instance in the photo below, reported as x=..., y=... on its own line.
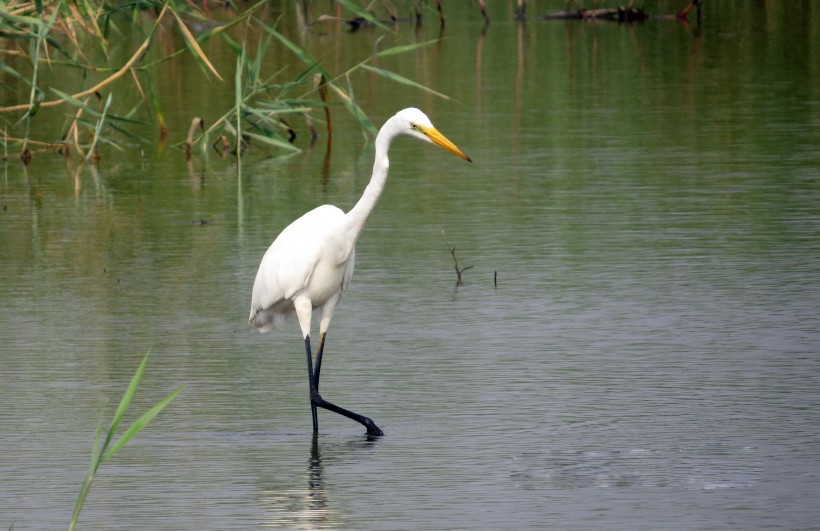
x=646, y=198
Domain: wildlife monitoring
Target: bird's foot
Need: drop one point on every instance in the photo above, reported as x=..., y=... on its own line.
x=372, y=429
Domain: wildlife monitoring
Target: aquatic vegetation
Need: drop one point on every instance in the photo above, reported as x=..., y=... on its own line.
x=104, y=451
x=78, y=38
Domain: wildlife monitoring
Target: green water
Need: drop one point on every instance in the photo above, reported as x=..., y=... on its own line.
x=646, y=197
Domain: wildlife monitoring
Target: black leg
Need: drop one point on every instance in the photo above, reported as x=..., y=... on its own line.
x=319, y=359
x=311, y=385
x=316, y=399
x=368, y=423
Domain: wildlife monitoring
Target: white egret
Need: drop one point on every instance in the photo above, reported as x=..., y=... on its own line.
x=309, y=265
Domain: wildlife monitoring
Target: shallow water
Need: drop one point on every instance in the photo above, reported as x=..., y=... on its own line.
x=646, y=200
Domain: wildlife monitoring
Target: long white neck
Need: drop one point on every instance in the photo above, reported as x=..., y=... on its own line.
x=358, y=215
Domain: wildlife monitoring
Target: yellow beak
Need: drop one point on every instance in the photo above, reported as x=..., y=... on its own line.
x=443, y=142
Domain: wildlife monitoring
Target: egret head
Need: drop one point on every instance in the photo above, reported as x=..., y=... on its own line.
x=415, y=123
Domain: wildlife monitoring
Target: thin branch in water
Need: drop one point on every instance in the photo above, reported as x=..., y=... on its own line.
x=459, y=271
x=483, y=8
x=221, y=145
x=521, y=10
x=459, y=282
x=314, y=135
x=321, y=84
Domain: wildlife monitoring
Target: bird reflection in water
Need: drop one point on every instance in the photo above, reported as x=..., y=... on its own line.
x=316, y=489
x=308, y=504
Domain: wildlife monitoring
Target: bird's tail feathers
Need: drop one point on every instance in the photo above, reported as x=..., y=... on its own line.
x=265, y=320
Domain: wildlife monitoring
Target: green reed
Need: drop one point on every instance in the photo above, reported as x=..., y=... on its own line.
x=105, y=450
x=57, y=32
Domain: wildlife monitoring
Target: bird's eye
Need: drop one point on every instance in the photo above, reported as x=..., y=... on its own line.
x=413, y=126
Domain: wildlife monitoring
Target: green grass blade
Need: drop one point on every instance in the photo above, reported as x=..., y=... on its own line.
x=300, y=53
x=124, y=132
x=99, y=126
x=89, y=476
x=21, y=20
x=403, y=80
x=73, y=101
x=140, y=423
x=126, y=399
x=271, y=141
x=14, y=73
x=91, y=111
x=364, y=14
x=292, y=107
x=240, y=61
x=353, y=108
x=404, y=48
x=246, y=13
x=99, y=453
x=232, y=44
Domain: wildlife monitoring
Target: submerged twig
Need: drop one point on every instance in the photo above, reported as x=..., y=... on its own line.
x=221, y=145
x=459, y=282
x=441, y=19
x=459, y=271
x=483, y=8
x=321, y=84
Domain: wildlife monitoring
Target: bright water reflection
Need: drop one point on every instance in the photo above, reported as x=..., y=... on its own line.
x=648, y=359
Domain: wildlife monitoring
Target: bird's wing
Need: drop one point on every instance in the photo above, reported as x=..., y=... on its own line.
x=349, y=271
x=288, y=263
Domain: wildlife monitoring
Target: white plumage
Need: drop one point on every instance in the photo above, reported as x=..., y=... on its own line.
x=307, y=260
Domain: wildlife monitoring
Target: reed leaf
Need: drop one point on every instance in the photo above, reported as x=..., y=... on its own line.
x=403, y=80
x=21, y=20
x=124, y=132
x=101, y=452
x=347, y=101
x=240, y=61
x=272, y=141
x=71, y=100
x=4, y=67
x=125, y=401
x=140, y=423
x=246, y=13
x=404, y=48
x=353, y=107
x=122, y=71
x=192, y=43
x=364, y=14
x=294, y=108
x=298, y=51
x=92, y=22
